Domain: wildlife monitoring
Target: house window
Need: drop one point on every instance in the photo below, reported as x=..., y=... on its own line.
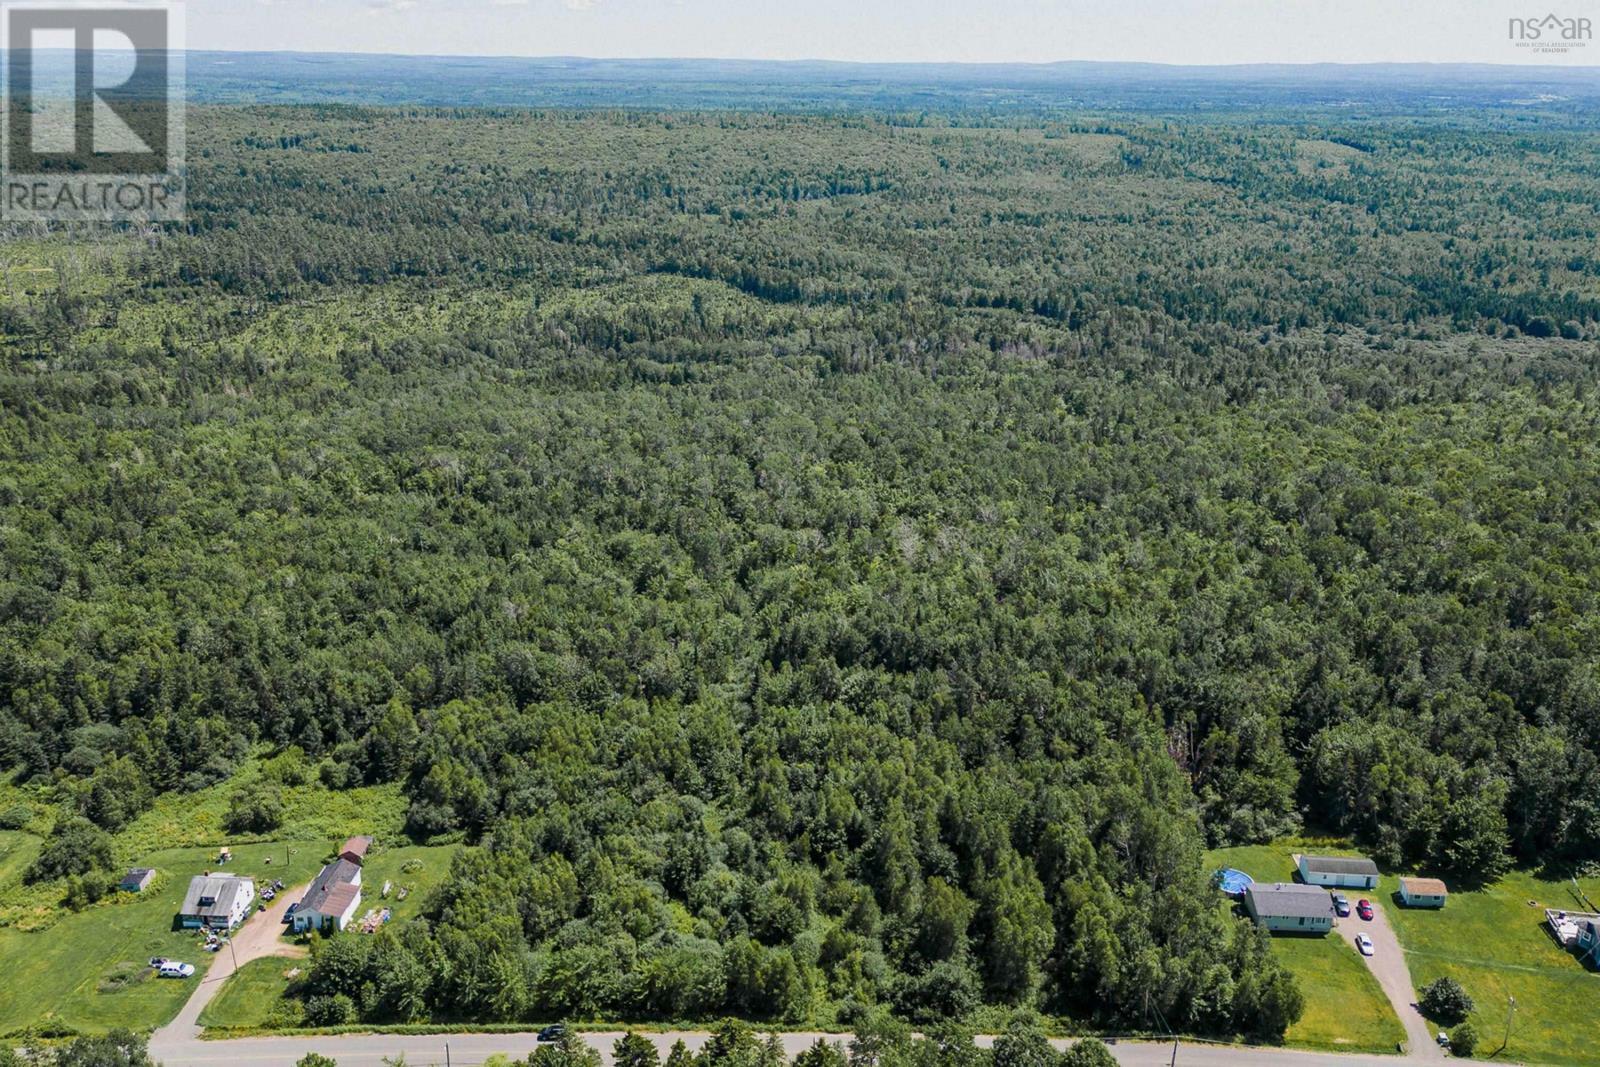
x=1302, y=920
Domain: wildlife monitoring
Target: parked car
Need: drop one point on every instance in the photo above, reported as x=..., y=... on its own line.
x=268, y=894
x=1364, y=944
x=288, y=915
x=553, y=1032
x=1364, y=908
x=1341, y=904
x=174, y=969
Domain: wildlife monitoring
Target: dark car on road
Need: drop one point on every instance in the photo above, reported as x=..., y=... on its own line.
x=1341, y=904
x=553, y=1032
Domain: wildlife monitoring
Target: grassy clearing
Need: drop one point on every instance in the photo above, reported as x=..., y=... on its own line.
x=1493, y=942
x=1273, y=863
x=86, y=971
x=416, y=868
x=252, y=992
x=1345, y=1010
x=78, y=974
x=250, y=995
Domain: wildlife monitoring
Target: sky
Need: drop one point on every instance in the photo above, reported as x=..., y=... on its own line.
x=1164, y=31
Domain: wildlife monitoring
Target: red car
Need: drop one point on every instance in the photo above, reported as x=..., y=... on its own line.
x=1364, y=909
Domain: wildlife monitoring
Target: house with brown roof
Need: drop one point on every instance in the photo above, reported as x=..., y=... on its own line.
x=333, y=898
x=1423, y=893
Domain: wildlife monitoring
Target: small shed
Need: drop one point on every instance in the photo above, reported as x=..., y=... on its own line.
x=1423, y=893
x=355, y=849
x=1339, y=872
x=137, y=880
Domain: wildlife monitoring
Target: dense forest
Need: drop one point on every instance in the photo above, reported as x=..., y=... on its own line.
x=821, y=564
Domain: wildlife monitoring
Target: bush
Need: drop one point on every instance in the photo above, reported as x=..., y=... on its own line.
x=1088, y=1052
x=1443, y=1000
x=1463, y=1040
x=75, y=846
x=256, y=810
x=16, y=817
x=316, y=1059
x=330, y=1011
x=947, y=990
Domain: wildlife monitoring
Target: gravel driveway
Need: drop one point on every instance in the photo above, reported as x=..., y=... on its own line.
x=258, y=936
x=1388, y=966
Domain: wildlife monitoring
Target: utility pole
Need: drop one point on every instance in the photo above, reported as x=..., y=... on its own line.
x=1511, y=1009
x=1174, y=1052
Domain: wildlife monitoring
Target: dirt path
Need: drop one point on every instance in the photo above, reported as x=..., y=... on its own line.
x=1388, y=966
x=258, y=936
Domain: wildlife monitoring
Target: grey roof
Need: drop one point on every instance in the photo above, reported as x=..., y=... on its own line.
x=1289, y=900
x=212, y=895
x=339, y=872
x=1340, y=865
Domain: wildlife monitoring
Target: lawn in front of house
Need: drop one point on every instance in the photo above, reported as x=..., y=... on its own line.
x=252, y=992
x=1345, y=1010
x=1494, y=942
x=88, y=972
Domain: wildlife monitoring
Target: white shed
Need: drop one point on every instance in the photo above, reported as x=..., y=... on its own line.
x=1339, y=872
x=1423, y=893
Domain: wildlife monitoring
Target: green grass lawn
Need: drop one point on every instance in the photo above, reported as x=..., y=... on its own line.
x=1493, y=942
x=1345, y=1009
x=416, y=868
x=73, y=975
x=251, y=992
x=85, y=971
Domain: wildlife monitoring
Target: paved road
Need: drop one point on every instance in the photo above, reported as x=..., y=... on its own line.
x=467, y=1050
x=260, y=935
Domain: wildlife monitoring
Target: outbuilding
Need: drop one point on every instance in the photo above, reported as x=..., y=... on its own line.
x=1289, y=908
x=1423, y=893
x=137, y=880
x=1339, y=872
x=355, y=849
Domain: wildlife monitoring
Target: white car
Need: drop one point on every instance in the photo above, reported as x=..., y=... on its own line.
x=174, y=969
x=1364, y=944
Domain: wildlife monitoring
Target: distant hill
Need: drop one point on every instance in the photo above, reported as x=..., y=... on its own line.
x=285, y=77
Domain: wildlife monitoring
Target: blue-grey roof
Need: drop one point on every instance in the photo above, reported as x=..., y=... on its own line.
x=1288, y=900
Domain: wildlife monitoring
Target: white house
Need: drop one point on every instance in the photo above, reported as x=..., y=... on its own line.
x=332, y=900
x=1339, y=872
x=217, y=901
x=1288, y=907
x=1423, y=893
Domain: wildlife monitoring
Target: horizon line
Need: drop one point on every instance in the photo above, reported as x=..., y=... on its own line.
x=1304, y=64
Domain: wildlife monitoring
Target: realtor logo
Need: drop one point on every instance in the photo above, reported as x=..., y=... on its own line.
x=1550, y=33
x=93, y=127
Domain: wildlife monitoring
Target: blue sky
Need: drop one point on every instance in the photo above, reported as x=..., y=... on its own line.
x=1168, y=31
